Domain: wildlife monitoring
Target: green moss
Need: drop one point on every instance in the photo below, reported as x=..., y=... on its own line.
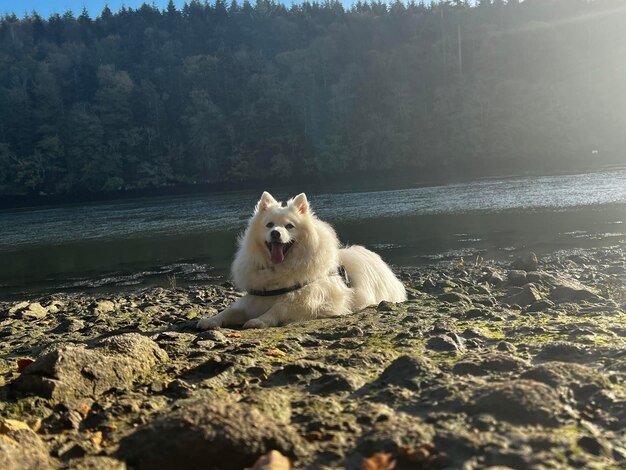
x=25, y=408
x=485, y=327
x=380, y=343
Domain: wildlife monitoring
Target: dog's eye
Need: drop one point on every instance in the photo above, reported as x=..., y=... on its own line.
x=289, y=226
x=270, y=224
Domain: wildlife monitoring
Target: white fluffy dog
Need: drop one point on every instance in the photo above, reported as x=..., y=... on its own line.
x=291, y=266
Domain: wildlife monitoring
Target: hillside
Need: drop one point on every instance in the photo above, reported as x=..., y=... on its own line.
x=231, y=93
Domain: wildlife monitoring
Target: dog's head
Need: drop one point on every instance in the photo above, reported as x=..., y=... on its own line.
x=280, y=227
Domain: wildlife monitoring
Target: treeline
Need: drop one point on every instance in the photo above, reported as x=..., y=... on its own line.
x=236, y=92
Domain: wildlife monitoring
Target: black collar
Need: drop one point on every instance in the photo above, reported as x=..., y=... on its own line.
x=341, y=271
x=284, y=290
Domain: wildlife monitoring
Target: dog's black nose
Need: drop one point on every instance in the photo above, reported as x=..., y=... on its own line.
x=275, y=234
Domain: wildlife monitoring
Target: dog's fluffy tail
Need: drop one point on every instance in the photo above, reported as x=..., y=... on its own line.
x=372, y=280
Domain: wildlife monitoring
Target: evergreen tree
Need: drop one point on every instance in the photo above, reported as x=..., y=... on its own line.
x=224, y=92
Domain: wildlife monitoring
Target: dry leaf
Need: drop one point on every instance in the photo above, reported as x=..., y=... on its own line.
x=378, y=461
x=276, y=353
x=272, y=461
x=234, y=334
x=23, y=363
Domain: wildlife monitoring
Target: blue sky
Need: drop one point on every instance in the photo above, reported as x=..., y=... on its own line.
x=46, y=7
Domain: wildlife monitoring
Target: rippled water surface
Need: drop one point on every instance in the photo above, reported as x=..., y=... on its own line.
x=132, y=241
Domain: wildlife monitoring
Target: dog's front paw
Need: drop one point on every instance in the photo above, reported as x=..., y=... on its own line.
x=208, y=324
x=255, y=323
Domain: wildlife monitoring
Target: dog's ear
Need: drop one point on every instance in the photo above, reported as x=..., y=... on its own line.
x=266, y=201
x=301, y=203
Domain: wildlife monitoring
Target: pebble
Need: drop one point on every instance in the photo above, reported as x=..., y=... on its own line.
x=520, y=402
x=210, y=433
x=429, y=379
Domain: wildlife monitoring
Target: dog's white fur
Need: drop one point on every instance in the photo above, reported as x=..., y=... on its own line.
x=312, y=259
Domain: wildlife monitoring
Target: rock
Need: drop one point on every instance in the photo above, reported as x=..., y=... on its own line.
x=54, y=307
x=299, y=371
x=77, y=371
x=449, y=342
x=272, y=461
x=204, y=343
x=474, y=343
x=212, y=335
x=490, y=363
x=479, y=289
x=178, y=388
x=443, y=327
x=581, y=379
x=537, y=277
x=34, y=312
x=563, y=352
x=275, y=405
x=21, y=448
x=593, y=445
x=18, y=307
x=428, y=285
x=28, y=311
x=506, y=347
x=473, y=332
x=516, y=278
x=481, y=403
x=12, y=427
x=519, y=402
x=104, y=306
x=355, y=331
x=528, y=295
x=446, y=285
x=176, y=344
x=485, y=300
x=92, y=462
x=134, y=345
x=539, y=306
x=305, y=367
x=399, y=431
x=385, y=306
x=209, y=434
x=526, y=262
x=496, y=279
x=72, y=450
x=71, y=419
x=475, y=313
x=572, y=291
x=4, y=367
x=454, y=297
x=331, y=383
x=407, y=371
x=68, y=326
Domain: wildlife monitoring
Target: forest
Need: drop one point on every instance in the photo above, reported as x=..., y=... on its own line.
x=240, y=93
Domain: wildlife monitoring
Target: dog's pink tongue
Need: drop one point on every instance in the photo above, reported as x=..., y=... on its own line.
x=277, y=255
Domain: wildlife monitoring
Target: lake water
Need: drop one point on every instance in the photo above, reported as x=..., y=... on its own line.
x=107, y=246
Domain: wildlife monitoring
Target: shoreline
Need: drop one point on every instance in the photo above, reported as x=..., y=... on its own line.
x=325, y=183
x=483, y=365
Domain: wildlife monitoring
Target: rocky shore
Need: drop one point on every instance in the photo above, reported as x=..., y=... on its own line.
x=487, y=364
